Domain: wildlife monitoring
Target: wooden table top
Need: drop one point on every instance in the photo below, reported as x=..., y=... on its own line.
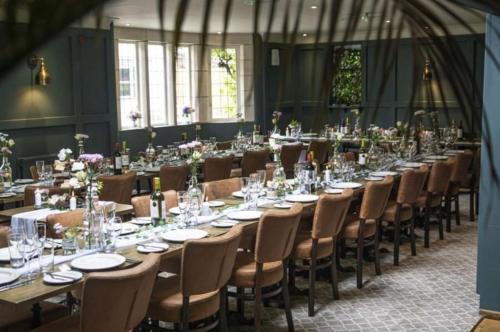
x=121, y=209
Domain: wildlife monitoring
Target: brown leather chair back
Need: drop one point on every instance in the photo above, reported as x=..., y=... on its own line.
x=117, y=188
x=440, y=176
x=290, y=154
x=34, y=173
x=276, y=234
x=349, y=156
x=217, y=168
x=221, y=188
x=253, y=161
x=375, y=198
x=118, y=300
x=330, y=213
x=141, y=203
x=226, y=145
x=29, y=193
x=320, y=149
x=213, y=258
x=411, y=185
x=66, y=219
x=463, y=162
x=174, y=177
x=4, y=241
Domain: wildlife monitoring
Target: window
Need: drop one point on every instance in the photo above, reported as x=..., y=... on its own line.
x=129, y=83
x=156, y=84
x=223, y=79
x=183, y=96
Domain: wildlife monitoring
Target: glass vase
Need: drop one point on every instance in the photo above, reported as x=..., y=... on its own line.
x=6, y=171
x=196, y=198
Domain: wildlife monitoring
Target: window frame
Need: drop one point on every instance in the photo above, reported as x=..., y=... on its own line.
x=165, y=78
x=191, y=76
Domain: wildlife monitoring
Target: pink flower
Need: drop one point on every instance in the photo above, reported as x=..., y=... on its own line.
x=92, y=158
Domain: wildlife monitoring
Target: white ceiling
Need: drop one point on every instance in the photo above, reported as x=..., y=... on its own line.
x=144, y=14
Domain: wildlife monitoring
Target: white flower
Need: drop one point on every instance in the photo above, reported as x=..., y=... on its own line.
x=419, y=113
x=54, y=199
x=64, y=154
x=196, y=156
x=11, y=142
x=81, y=177
x=77, y=166
x=73, y=182
x=398, y=124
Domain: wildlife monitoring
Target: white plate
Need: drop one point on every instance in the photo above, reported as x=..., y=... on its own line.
x=7, y=276
x=428, y=161
x=152, y=169
x=141, y=221
x=238, y=194
x=402, y=169
x=283, y=205
x=302, y=198
x=334, y=191
x=174, y=210
x=4, y=254
x=128, y=228
x=224, y=223
x=7, y=195
x=455, y=151
x=347, y=185
x=181, y=235
x=244, y=215
x=152, y=247
x=24, y=181
x=62, y=277
x=374, y=178
x=436, y=157
x=216, y=203
x=412, y=165
x=97, y=262
x=383, y=173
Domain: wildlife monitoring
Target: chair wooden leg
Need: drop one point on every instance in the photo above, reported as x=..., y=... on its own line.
x=412, y=235
x=286, y=300
x=397, y=238
x=185, y=313
x=240, y=304
x=359, y=267
x=447, y=204
x=457, y=210
x=376, y=243
x=477, y=201
x=439, y=214
x=312, y=277
x=333, y=276
x=426, y=227
x=258, y=298
x=291, y=272
x=223, y=310
x=472, y=213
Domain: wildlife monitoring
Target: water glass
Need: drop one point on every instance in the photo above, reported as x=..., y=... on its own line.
x=244, y=188
x=182, y=203
x=47, y=261
x=28, y=248
x=254, y=190
x=113, y=230
x=16, y=257
x=39, y=167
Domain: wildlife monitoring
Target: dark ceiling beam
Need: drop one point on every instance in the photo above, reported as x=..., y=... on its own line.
x=489, y=6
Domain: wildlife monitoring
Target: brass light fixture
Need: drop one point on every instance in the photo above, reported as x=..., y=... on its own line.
x=427, y=74
x=42, y=76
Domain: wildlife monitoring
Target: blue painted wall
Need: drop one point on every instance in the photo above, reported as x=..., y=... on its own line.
x=488, y=269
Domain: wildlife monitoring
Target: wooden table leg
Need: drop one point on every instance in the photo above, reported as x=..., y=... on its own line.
x=37, y=315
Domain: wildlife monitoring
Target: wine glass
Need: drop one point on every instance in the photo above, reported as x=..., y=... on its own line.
x=244, y=188
x=48, y=174
x=262, y=178
x=182, y=203
x=27, y=246
x=254, y=189
x=114, y=228
x=39, y=167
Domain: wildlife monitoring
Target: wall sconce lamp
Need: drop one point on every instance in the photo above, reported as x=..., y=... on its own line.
x=427, y=74
x=42, y=76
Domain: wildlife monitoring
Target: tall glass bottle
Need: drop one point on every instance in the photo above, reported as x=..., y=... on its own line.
x=156, y=207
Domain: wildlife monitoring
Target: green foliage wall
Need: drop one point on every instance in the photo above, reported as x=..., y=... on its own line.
x=347, y=81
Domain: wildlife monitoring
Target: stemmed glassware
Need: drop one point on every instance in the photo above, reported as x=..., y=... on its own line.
x=254, y=187
x=16, y=257
x=299, y=175
x=182, y=203
x=244, y=181
x=27, y=245
x=114, y=227
x=39, y=167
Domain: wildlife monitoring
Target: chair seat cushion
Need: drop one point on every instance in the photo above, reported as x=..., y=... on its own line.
x=303, y=246
x=19, y=318
x=406, y=212
x=66, y=324
x=422, y=199
x=352, y=228
x=466, y=182
x=166, y=302
x=236, y=173
x=245, y=269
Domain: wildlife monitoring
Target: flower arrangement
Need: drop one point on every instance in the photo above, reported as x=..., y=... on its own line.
x=187, y=111
x=151, y=134
x=65, y=155
x=275, y=120
x=67, y=232
x=355, y=114
x=60, y=202
x=195, y=161
x=6, y=144
x=190, y=145
x=402, y=128
x=80, y=139
x=376, y=134
x=294, y=124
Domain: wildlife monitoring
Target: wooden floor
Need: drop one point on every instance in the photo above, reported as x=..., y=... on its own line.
x=487, y=325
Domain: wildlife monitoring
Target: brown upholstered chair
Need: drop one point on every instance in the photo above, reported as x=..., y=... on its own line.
x=112, y=301
x=225, y=145
x=174, y=177
x=320, y=149
x=141, y=203
x=34, y=173
x=401, y=212
x=349, y=156
x=462, y=164
x=251, y=162
x=366, y=225
x=189, y=297
x=320, y=243
x=29, y=193
x=221, y=188
x=290, y=154
x=66, y=219
x=266, y=266
x=4, y=231
x=430, y=199
x=217, y=168
x=470, y=184
x=117, y=188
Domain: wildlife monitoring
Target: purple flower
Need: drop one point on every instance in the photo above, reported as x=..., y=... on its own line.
x=92, y=158
x=187, y=110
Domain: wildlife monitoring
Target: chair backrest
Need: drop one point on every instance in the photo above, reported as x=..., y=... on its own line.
x=253, y=161
x=141, y=203
x=375, y=198
x=290, y=154
x=225, y=145
x=440, y=176
x=476, y=163
x=276, y=234
x=4, y=241
x=213, y=258
x=320, y=149
x=330, y=214
x=29, y=193
x=34, y=173
x=221, y=188
x=349, y=156
x=174, y=177
x=217, y=168
x=463, y=162
x=66, y=219
x=117, y=188
x=411, y=185
x=118, y=300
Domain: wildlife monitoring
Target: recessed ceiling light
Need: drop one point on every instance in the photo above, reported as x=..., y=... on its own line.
x=127, y=24
x=304, y=35
x=314, y=7
x=387, y=21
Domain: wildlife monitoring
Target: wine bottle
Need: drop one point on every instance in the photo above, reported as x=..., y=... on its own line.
x=156, y=209
x=255, y=135
x=72, y=201
x=311, y=174
x=460, y=130
x=125, y=157
x=117, y=164
x=362, y=154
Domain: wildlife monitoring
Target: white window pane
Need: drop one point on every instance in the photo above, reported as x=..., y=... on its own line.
x=128, y=84
x=156, y=77
x=224, y=83
x=183, y=94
